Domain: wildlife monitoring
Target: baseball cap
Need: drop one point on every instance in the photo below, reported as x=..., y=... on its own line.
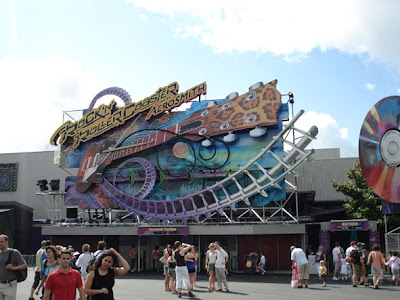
x=353, y=243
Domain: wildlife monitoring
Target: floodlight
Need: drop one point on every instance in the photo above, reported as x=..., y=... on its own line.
x=42, y=185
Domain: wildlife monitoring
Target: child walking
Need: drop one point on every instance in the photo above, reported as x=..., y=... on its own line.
x=343, y=267
x=394, y=264
x=323, y=271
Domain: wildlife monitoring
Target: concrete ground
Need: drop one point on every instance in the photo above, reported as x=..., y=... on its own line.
x=272, y=286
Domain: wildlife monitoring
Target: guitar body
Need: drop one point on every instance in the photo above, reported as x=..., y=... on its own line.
x=258, y=107
x=255, y=108
x=82, y=183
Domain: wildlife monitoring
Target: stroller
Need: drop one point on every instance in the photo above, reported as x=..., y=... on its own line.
x=251, y=263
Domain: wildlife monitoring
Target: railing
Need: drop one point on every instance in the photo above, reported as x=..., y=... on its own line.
x=30, y=260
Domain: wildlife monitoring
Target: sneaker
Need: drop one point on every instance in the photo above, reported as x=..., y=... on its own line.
x=324, y=284
x=335, y=278
x=191, y=295
x=219, y=290
x=227, y=291
x=179, y=295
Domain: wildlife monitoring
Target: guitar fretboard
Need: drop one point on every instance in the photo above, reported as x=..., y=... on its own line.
x=147, y=142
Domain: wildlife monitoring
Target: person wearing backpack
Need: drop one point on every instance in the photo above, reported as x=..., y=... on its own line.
x=352, y=246
x=8, y=278
x=356, y=257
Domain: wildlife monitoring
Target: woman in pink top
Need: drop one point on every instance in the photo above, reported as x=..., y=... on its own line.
x=377, y=261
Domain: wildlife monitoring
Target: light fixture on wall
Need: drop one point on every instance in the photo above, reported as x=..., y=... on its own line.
x=55, y=185
x=42, y=185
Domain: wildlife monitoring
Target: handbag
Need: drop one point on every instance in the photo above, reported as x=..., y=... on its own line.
x=20, y=274
x=295, y=278
x=163, y=260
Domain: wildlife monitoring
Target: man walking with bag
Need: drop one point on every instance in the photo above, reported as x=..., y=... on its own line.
x=8, y=278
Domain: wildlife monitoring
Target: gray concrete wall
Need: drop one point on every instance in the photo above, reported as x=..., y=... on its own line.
x=32, y=166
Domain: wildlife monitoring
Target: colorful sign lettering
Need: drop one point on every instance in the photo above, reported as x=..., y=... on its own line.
x=100, y=120
x=349, y=225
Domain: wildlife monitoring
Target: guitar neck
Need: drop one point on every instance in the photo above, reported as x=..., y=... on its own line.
x=147, y=142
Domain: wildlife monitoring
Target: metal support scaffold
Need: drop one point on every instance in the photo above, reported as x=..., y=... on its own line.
x=54, y=204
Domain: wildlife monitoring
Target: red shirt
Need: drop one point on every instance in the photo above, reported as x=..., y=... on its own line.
x=63, y=286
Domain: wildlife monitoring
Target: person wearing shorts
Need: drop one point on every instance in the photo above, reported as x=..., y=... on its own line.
x=299, y=257
x=171, y=264
x=377, y=262
x=336, y=260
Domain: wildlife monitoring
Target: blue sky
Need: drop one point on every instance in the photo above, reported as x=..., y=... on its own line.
x=338, y=58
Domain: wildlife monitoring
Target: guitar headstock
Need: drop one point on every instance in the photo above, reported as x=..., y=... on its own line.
x=258, y=107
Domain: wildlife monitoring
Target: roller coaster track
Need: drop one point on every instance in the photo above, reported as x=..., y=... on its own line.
x=116, y=91
x=72, y=195
x=217, y=197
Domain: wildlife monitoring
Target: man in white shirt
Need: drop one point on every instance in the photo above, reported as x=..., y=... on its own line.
x=220, y=269
x=299, y=257
x=336, y=260
x=353, y=245
x=84, y=260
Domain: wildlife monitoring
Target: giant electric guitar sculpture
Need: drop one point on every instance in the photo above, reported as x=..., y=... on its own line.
x=258, y=107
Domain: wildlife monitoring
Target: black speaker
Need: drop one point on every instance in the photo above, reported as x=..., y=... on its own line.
x=72, y=213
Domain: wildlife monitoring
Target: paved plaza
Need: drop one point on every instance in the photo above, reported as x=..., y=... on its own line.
x=242, y=286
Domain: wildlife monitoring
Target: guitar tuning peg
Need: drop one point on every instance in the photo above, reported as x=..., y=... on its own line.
x=232, y=96
x=256, y=86
x=230, y=137
x=206, y=143
x=211, y=103
x=258, y=131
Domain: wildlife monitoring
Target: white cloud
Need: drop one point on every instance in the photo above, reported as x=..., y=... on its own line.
x=370, y=86
x=330, y=134
x=398, y=91
x=144, y=18
x=290, y=28
x=34, y=95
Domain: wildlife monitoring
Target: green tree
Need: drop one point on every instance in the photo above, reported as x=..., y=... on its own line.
x=361, y=201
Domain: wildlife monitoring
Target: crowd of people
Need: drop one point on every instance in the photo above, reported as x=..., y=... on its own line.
x=60, y=271
x=180, y=266
x=354, y=263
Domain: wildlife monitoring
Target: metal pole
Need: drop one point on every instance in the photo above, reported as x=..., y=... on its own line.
x=139, y=251
x=386, y=234
x=291, y=101
x=198, y=255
